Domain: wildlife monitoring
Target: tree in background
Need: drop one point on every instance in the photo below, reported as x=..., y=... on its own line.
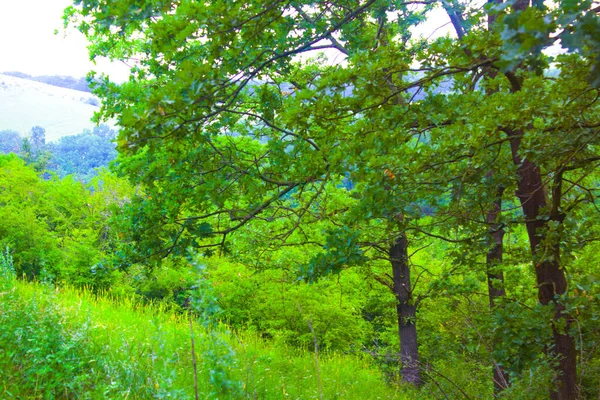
x=82, y=155
x=10, y=141
x=38, y=137
x=34, y=150
x=104, y=131
x=79, y=155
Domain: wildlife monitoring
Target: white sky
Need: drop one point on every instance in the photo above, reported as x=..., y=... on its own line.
x=28, y=43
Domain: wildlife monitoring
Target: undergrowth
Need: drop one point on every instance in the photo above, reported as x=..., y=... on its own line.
x=68, y=343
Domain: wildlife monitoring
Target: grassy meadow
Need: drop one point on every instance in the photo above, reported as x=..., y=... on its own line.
x=68, y=343
x=60, y=111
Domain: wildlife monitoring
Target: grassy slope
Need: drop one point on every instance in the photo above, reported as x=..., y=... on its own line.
x=71, y=344
x=25, y=103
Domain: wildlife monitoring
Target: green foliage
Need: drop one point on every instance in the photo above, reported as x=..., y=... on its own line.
x=245, y=138
x=276, y=305
x=22, y=215
x=520, y=345
x=7, y=269
x=33, y=150
x=526, y=32
x=84, y=154
x=57, y=228
x=217, y=354
x=341, y=250
x=77, y=344
x=81, y=155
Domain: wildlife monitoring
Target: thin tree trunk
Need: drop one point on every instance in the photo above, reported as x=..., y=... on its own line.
x=551, y=279
x=495, y=277
x=406, y=312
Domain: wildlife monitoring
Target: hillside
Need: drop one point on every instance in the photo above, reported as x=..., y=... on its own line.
x=63, y=81
x=112, y=348
x=25, y=103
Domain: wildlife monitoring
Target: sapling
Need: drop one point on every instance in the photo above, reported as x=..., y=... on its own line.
x=217, y=354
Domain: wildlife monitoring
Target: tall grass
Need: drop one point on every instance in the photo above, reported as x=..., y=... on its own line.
x=67, y=343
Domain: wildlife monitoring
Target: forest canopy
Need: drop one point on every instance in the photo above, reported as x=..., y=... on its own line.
x=262, y=130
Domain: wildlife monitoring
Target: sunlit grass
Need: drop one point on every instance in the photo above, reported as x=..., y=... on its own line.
x=94, y=346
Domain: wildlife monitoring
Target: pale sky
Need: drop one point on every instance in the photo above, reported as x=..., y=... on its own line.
x=28, y=43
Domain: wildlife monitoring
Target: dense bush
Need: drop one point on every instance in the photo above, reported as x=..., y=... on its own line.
x=57, y=228
x=277, y=305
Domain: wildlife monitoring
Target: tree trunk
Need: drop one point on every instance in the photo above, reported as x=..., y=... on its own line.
x=495, y=277
x=551, y=280
x=406, y=311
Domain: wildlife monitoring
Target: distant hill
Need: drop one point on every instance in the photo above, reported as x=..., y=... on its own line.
x=25, y=103
x=64, y=81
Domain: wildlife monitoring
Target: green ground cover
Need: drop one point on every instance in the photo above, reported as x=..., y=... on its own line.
x=68, y=343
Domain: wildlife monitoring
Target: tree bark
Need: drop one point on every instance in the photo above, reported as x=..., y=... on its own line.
x=551, y=279
x=495, y=277
x=406, y=312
